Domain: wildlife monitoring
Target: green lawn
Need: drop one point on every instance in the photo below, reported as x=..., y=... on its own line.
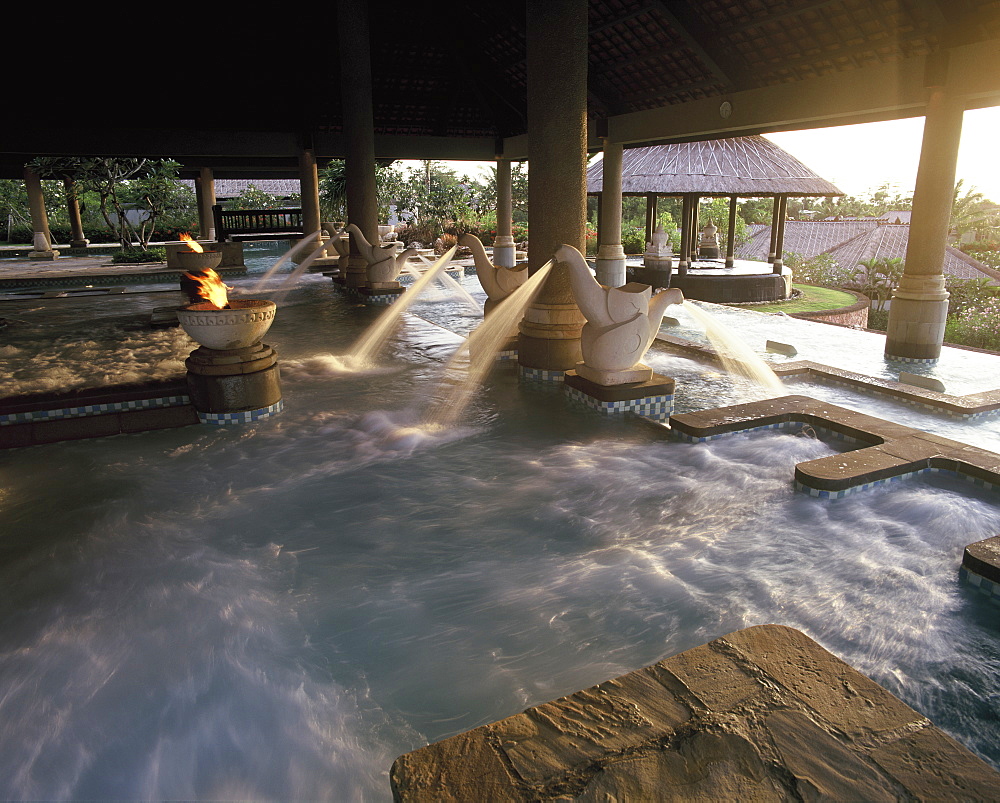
x=812, y=299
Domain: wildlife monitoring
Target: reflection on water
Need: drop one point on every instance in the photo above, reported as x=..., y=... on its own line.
x=278, y=611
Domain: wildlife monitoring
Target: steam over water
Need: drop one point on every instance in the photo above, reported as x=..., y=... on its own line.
x=278, y=611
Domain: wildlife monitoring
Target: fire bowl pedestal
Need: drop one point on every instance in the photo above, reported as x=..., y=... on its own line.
x=232, y=378
x=198, y=260
x=652, y=398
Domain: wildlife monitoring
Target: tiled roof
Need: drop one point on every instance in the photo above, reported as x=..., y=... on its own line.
x=851, y=241
x=746, y=166
x=232, y=187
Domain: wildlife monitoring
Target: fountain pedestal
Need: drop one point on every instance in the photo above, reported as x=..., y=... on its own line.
x=652, y=397
x=233, y=377
x=234, y=386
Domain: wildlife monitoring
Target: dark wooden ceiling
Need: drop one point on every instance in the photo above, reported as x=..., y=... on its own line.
x=265, y=86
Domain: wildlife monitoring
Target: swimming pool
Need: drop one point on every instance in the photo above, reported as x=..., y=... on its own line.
x=280, y=610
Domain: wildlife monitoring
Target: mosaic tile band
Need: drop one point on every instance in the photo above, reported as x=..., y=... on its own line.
x=541, y=374
x=380, y=300
x=982, y=584
x=913, y=360
x=658, y=408
x=979, y=483
x=245, y=417
x=86, y=410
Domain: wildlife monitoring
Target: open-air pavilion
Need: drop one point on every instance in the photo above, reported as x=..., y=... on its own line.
x=280, y=609
x=730, y=168
x=552, y=82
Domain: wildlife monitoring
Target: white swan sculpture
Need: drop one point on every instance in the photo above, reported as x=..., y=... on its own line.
x=621, y=323
x=340, y=246
x=498, y=282
x=383, y=266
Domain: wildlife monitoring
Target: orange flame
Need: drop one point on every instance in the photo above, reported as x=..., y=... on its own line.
x=210, y=287
x=191, y=243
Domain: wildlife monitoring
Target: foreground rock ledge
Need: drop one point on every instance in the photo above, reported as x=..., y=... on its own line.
x=764, y=713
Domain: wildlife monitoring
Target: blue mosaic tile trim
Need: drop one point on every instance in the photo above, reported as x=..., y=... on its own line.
x=914, y=403
x=86, y=410
x=979, y=483
x=981, y=584
x=506, y=355
x=913, y=360
x=795, y=427
x=245, y=417
x=659, y=408
x=381, y=300
x=541, y=374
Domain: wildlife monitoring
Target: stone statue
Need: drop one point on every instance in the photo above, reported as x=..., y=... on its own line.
x=339, y=245
x=621, y=323
x=659, y=246
x=383, y=267
x=708, y=243
x=498, y=282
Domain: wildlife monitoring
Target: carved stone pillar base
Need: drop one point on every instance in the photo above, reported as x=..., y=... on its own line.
x=917, y=317
x=504, y=251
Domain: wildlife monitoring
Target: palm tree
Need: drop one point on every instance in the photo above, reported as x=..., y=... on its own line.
x=972, y=212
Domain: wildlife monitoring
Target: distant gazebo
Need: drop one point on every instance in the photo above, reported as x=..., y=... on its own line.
x=740, y=167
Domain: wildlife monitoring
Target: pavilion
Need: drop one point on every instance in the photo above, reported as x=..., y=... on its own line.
x=544, y=80
x=746, y=167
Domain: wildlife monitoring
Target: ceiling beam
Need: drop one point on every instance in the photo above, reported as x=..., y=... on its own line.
x=881, y=92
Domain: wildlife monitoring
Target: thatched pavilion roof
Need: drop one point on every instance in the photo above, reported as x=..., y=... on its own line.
x=744, y=166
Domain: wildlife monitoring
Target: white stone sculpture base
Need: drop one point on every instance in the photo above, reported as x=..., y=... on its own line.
x=637, y=373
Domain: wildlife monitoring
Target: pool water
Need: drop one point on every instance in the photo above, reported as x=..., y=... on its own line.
x=279, y=610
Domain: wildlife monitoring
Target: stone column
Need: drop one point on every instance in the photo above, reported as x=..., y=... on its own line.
x=309, y=195
x=205, y=190
x=781, y=207
x=919, y=307
x=731, y=233
x=73, y=210
x=503, y=244
x=684, y=252
x=651, y=200
x=359, y=131
x=610, y=254
x=557, y=188
x=39, y=218
x=774, y=230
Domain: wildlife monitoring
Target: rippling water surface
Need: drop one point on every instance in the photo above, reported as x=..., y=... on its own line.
x=278, y=611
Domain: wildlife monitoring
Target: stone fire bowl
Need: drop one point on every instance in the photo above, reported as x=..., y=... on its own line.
x=237, y=328
x=198, y=260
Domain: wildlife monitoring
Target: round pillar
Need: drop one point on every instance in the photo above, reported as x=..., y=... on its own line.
x=39, y=217
x=610, y=254
x=309, y=194
x=549, y=342
x=205, y=190
x=504, y=248
x=359, y=131
x=73, y=210
x=919, y=308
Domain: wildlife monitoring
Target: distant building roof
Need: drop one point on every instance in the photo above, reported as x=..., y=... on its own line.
x=744, y=166
x=851, y=241
x=232, y=187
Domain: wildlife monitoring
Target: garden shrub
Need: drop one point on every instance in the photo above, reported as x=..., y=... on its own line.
x=977, y=326
x=130, y=255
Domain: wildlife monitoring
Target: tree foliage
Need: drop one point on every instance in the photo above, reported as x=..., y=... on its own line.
x=122, y=185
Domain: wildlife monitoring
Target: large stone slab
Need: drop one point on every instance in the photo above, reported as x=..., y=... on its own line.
x=764, y=713
x=888, y=450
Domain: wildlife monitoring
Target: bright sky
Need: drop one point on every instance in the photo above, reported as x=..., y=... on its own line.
x=861, y=158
